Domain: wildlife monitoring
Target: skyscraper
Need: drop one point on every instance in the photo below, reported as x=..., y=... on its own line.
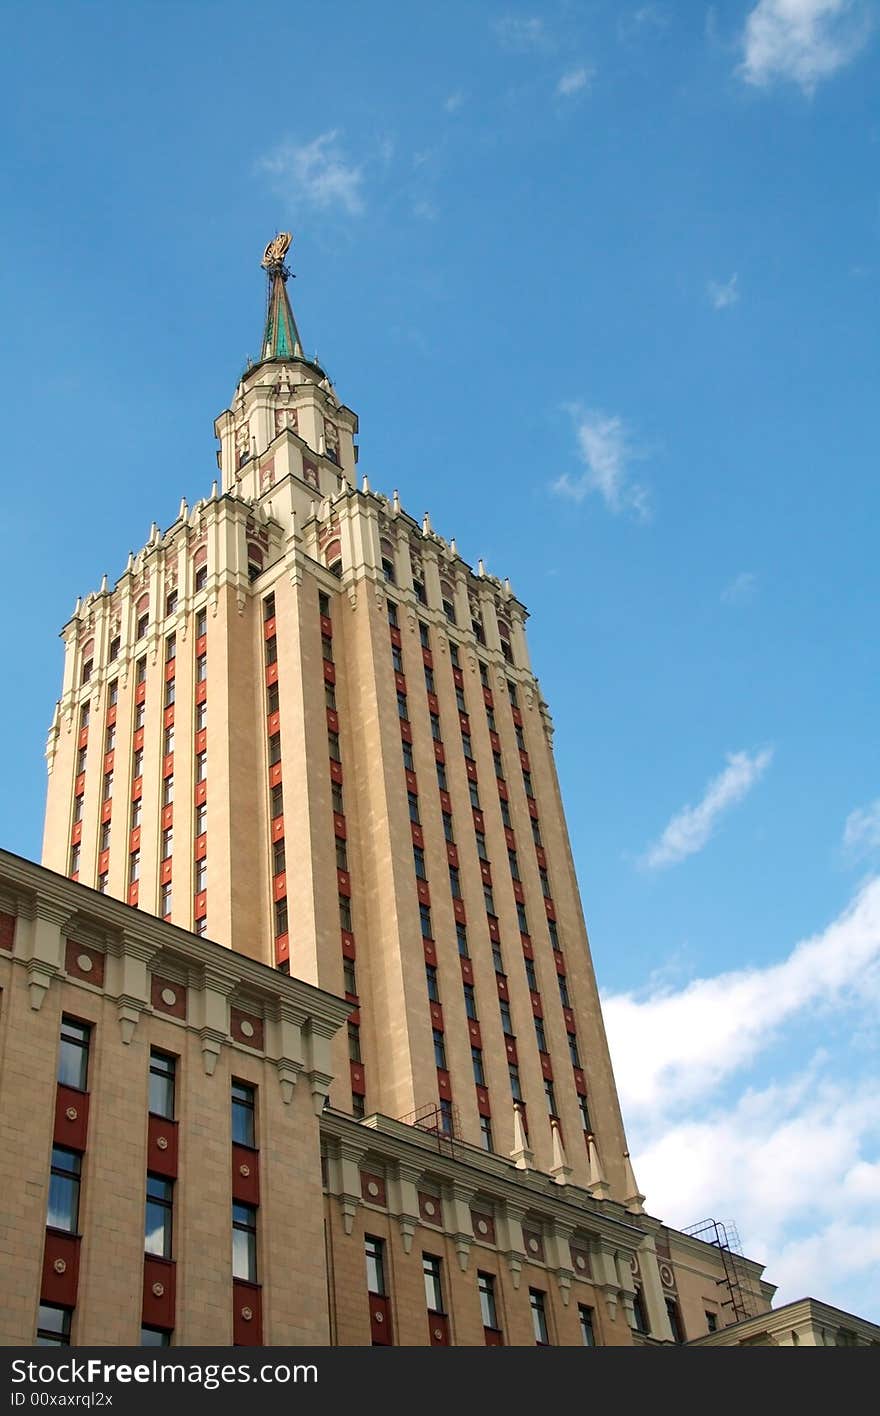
x=302, y=726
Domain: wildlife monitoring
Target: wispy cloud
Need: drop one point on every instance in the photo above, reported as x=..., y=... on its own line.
x=795, y=1162
x=317, y=174
x=741, y=589
x=573, y=81
x=803, y=41
x=723, y=293
x=454, y=101
x=646, y=17
x=674, y=1046
x=689, y=829
x=425, y=210
x=861, y=833
x=522, y=34
x=606, y=449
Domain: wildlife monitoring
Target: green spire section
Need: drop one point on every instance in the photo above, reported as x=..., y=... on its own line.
x=281, y=339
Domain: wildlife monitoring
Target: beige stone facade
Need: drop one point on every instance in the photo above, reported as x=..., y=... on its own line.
x=318, y=1183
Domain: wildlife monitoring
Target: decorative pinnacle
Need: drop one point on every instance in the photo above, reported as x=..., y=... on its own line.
x=273, y=256
x=281, y=337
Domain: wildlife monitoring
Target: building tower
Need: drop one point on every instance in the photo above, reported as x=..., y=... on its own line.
x=301, y=724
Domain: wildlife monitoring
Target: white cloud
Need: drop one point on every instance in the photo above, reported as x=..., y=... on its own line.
x=723, y=293
x=861, y=833
x=425, y=210
x=676, y=1046
x=522, y=33
x=606, y=449
x=691, y=828
x=316, y=173
x=741, y=589
x=802, y=40
x=454, y=101
x=794, y=1162
x=573, y=81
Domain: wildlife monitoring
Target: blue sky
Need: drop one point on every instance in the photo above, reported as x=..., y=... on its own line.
x=601, y=281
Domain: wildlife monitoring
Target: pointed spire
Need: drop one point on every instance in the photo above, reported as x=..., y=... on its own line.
x=481, y=569
x=395, y=502
x=365, y=486
x=598, y=1185
x=103, y=590
x=520, y=1155
x=426, y=525
x=560, y=1169
x=634, y=1200
x=281, y=337
x=183, y=511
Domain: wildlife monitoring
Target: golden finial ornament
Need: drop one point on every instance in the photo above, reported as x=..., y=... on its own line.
x=277, y=249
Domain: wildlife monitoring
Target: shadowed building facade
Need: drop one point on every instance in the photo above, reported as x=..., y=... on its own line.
x=301, y=776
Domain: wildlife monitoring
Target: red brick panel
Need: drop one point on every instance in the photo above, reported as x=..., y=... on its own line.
x=71, y=1118
x=60, y=1269
x=162, y=1146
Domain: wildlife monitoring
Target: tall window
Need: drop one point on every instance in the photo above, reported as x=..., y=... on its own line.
x=455, y=882
x=243, y=1108
x=155, y=1337
x=408, y=760
x=279, y=856
x=201, y=766
x=433, y=1285
x=201, y=824
x=573, y=1050
x=531, y=977
x=354, y=1043
x=158, y=1216
x=167, y=842
x=540, y=1034
x=244, y=1242
x=73, y=1055
x=63, y=1212
x=585, y=1113
x=515, y=1088
x=163, y=1070
x=413, y=803
x=563, y=991
x=486, y=1133
x=425, y=919
x=470, y=1002
x=488, y=1308
x=53, y=1326
x=640, y=1317
x=674, y=1319
x=374, y=1253
x=588, y=1335
x=201, y=875
x=506, y=1021
x=539, y=1317
x=479, y=1071
x=462, y=940
x=550, y=1098
x=433, y=986
x=439, y=1050
x=277, y=802
x=419, y=862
